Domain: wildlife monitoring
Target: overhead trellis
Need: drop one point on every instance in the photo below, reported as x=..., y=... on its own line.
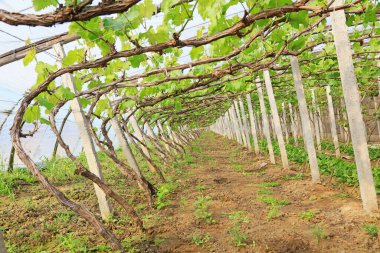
x=154, y=65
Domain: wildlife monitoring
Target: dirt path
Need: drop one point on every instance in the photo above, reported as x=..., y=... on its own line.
x=263, y=209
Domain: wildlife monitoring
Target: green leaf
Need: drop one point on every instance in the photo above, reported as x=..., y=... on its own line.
x=370, y=14
x=167, y=4
x=298, y=18
x=64, y=93
x=75, y=55
x=136, y=60
x=147, y=9
x=45, y=121
x=42, y=4
x=29, y=57
x=196, y=52
x=32, y=114
x=177, y=104
x=297, y=44
x=102, y=106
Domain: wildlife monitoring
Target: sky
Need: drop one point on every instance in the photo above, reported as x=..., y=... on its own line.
x=15, y=78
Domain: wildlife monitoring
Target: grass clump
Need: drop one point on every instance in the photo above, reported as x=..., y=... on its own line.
x=299, y=176
x=10, y=181
x=273, y=212
x=239, y=238
x=308, y=215
x=72, y=243
x=319, y=233
x=200, y=187
x=202, y=212
x=264, y=191
x=270, y=184
x=371, y=229
x=163, y=193
x=200, y=239
x=273, y=201
x=237, y=167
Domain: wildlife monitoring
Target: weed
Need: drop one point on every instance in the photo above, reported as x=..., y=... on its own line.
x=59, y=170
x=158, y=241
x=70, y=242
x=162, y=195
x=140, y=206
x=270, y=184
x=299, y=176
x=371, y=229
x=273, y=212
x=261, y=173
x=64, y=216
x=51, y=227
x=36, y=235
x=239, y=216
x=273, y=201
x=101, y=248
x=264, y=191
x=200, y=187
x=200, y=239
x=9, y=181
x=318, y=233
x=239, y=238
x=201, y=210
x=15, y=248
x=308, y=215
x=29, y=205
x=187, y=159
x=342, y=195
x=237, y=167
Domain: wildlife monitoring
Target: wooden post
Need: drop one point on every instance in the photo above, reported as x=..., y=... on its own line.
x=162, y=134
x=232, y=124
x=138, y=133
x=375, y=99
x=339, y=127
x=125, y=146
x=315, y=119
x=305, y=121
x=235, y=125
x=85, y=136
x=354, y=112
x=345, y=119
x=259, y=125
x=334, y=134
x=293, y=125
x=276, y=120
x=320, y=123
x=284, y=122
x=265, y=121
x=253, y=125
x=140, y=137
x=245, y=124
x=240, y=124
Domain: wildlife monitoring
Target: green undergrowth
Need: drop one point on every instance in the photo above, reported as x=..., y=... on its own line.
x=9, y=182
x=343, y=171
x=56, y=231
x=374, y=152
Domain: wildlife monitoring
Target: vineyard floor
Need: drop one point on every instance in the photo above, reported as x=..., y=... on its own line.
x=253, y=206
